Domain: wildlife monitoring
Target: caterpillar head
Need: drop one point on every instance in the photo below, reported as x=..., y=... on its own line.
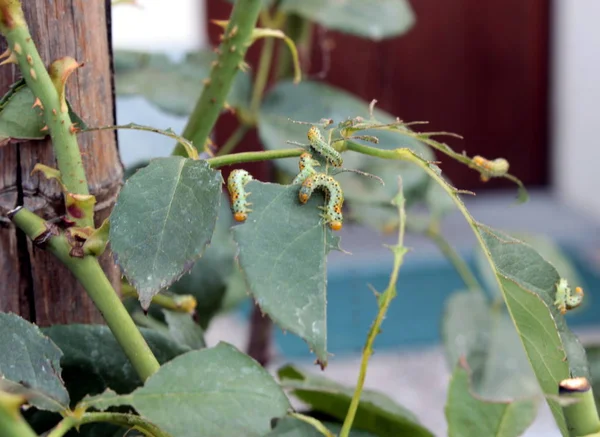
x=304, y=193
x=335, y=225
x=240, y=216
x=313, y=134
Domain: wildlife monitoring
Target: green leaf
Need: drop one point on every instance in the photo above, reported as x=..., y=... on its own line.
x=209, y=278
x=94, y=361
x=491, y=345
x=373, y=19
x=184, y=330
x=376, y=412
x=211, y=392
x=469, y=415
x=283, y=254
x=548, y=249
x=291, y=427
x=19, y=120
x=528, y=285
x=173, y=87
x=164, y=217
x=30, y=364
x=369, y=202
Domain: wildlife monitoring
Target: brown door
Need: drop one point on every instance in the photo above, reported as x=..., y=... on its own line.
x=476, y=68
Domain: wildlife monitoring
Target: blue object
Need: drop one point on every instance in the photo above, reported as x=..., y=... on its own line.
x=414, y=317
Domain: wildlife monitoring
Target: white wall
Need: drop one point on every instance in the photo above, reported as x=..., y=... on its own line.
x=159, y=25
x=576, y=103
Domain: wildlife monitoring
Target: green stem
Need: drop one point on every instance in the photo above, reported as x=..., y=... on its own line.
x=262, y=75
x=316, y=424
x=455, y=259
x=233, y=140
x=581, y=416
x=122, y=419
x=266, y=155
x=56, y=115
x=236, y=39
x=88, y=272
x=12, y=424
x=181, y=303
x=384, y=301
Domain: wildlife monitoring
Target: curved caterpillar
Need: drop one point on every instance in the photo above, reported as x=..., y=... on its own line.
x=236, y=186
x=334, y=197
x=489, y=169
x=307, y=168
x=322, y=147
x=565, y=300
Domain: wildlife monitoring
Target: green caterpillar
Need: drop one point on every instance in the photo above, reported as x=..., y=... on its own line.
x=489, y=169
x=334, y=197
x=236, y=186
x=322, y=147
x=307, y=168
x=565, y=300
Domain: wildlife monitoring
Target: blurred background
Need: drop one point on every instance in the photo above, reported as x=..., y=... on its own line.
x=518, y=79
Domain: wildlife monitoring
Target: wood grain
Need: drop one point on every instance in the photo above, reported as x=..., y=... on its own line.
x=34, y=284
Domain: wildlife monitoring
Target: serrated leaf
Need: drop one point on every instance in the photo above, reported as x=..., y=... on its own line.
x=376, y=412
x=548, y=249
x=212, y=392
x=373, y=19
x=469, y=415
x=162, y=221
x=173, y=87
x=19, y=120
x=208, y=280
x=311, y=101
x=488, y=340
x=291, y=427
x=30, y=364
x=94, y=361
x=528, y=285
x=283, y=250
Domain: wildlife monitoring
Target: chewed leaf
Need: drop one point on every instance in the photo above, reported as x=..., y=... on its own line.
x=283, y=250
x=528, y=285
x=30, y=364
x=164, y=218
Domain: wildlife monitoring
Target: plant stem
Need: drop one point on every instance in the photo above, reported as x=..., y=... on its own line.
x=314, y=422
x=181, y=303
x=238, y=158
x=64, y=139
x=582, y=415
x=12, y=424
x=125, y=420
x=236, y=39
x=384, y=301
x=262, y=75
x=455, y=259
x=88, y=272
x=233, y=140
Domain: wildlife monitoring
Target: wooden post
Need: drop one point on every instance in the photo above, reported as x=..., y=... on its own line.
x=32, y=283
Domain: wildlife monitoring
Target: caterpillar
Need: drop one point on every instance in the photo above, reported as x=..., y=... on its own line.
x=497, y=167
x=322, y=147
x=334, y=197
x=307, y=168
x=565, y=300
x=235, y=185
